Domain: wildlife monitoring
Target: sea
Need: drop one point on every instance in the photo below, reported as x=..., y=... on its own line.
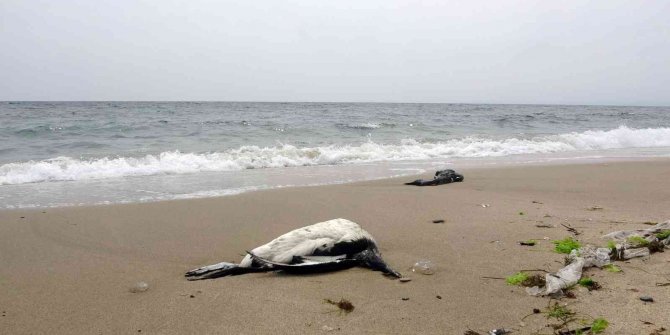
x=94, y=153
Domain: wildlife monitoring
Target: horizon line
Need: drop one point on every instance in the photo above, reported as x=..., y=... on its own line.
x=353, y=102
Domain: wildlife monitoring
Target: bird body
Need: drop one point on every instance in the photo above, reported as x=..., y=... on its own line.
x=323, y=246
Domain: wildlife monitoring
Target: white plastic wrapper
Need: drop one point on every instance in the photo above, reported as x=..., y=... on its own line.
x=565, y=277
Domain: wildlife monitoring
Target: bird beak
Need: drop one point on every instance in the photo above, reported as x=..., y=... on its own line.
x=392, y=273
x=375, y=262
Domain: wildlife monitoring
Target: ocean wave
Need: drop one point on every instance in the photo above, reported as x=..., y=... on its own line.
x=254, y=157
x=369, y=125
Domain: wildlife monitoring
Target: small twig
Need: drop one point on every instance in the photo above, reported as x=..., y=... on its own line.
x=486, y=277
x=544, y=225
x=570, y=229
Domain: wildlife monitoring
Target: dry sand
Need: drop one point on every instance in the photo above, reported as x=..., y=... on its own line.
x=69, y=270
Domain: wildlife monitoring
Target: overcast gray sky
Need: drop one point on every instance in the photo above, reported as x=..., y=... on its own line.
x=573, y=52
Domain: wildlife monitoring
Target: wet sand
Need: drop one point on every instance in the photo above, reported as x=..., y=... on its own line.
x=69, y=270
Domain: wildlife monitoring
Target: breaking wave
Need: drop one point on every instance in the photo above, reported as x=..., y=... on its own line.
x=364, y=126
x=254, y=157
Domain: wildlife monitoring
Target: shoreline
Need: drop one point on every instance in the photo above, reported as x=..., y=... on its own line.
x=464, y=165
x=70, y=268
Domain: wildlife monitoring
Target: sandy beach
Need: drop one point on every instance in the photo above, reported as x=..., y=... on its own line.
x=69, y=270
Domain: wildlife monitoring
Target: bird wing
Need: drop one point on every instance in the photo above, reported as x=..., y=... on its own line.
x=316, y=239
x=308, y=266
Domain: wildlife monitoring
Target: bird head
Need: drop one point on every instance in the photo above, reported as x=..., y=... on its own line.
x=372, y=259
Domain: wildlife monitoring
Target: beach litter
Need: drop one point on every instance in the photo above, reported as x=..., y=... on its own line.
x=625, y=245
x=424, y=267
x=438, y=221
x=485, y=205
x=139, y=287
x=648, y=233
x=570, y=275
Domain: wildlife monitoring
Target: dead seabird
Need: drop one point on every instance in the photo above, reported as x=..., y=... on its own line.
x=324, y=246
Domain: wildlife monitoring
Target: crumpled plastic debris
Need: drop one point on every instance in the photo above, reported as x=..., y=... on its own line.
x=569, y=275
x=564, y=278
x=622, y=235
x=637, y=252
x=627, y=250
x=590, y=256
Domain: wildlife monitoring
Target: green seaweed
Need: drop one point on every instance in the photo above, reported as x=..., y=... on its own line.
x=560, y=312
x=516, y=279
x=611, y=245
x=612, y=268
x=589, y=283
x=638, y=241
x=586, y=281
x=663, y=234
x=565, y=246
x=599, y=325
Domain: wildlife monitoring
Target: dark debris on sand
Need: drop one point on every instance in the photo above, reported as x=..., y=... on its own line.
x=344, y=305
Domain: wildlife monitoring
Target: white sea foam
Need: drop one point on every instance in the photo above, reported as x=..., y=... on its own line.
x=368, y=125
x=252, y=157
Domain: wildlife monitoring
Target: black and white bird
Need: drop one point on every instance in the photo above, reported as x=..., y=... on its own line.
x=324, y=246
